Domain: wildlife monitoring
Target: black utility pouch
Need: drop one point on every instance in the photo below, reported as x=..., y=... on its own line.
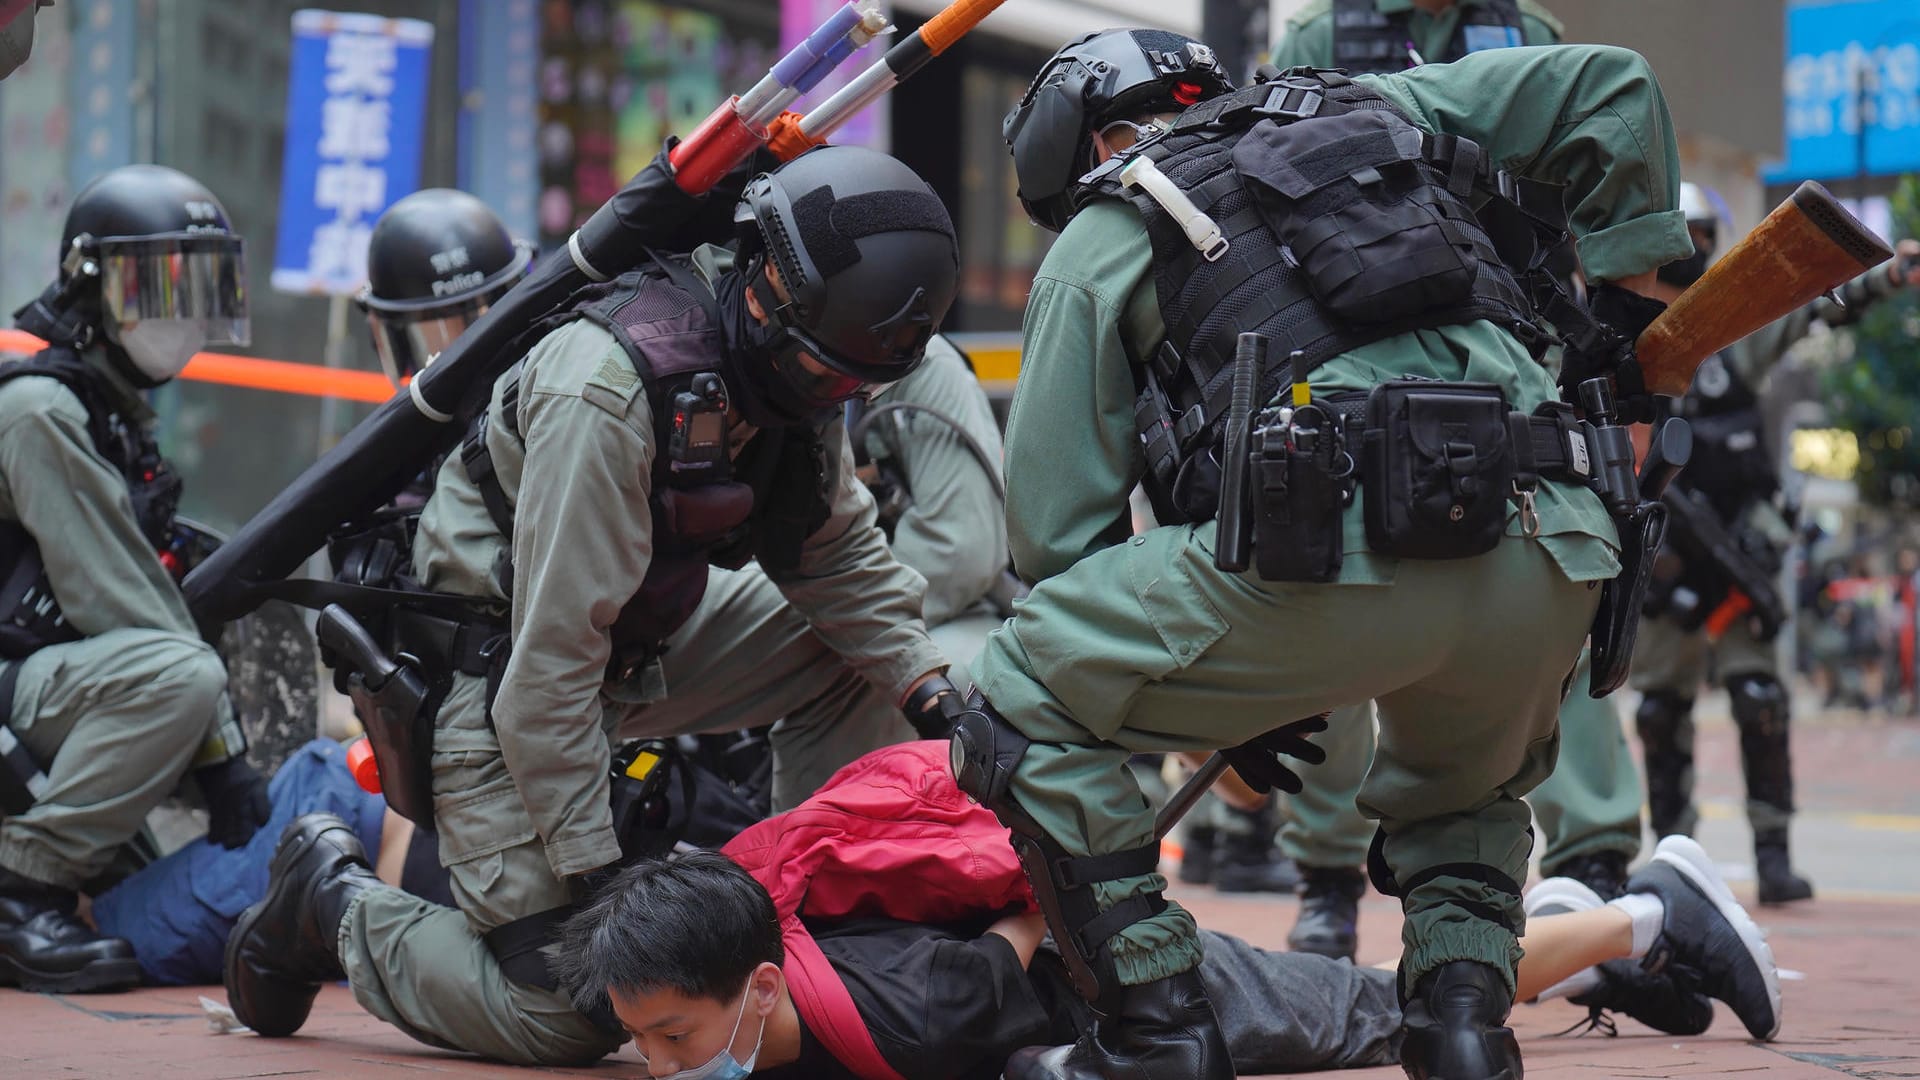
x=1299, y=494
x=1352, y=198
x=1437, y=469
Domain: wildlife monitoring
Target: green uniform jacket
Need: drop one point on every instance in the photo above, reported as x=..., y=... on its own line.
x=1307, y=40
x=954, y=531
x=75, y=504
x=1590, y=117
x=582, y=541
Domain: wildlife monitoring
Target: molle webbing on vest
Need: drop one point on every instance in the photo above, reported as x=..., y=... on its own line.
x=1258, y=285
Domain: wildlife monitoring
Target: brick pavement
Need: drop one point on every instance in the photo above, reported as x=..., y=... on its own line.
x=1855, y=1013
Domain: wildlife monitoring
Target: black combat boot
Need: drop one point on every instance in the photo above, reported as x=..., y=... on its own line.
x=1454, y=1027
x=1708, y=944
x=1163, y=1030
x=1329, y=920
x=45, y=948
x=1605, y=872
x=1662, y=720
x=1247, y=860
x=285, y=946
x=1198, y=857
x=1772, y=865
x=1760, y=712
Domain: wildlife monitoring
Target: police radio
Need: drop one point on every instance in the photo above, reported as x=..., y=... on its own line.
x=697, y=445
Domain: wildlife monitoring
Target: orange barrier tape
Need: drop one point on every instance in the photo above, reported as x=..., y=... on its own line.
x=256, y=373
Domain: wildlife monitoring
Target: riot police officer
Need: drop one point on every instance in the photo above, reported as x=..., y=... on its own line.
x=108, y=694
x=685, y=413
x=1385, y=36
x=928, y=447
x=1149, y=646
x=1717, y=595
x=436, y=261
x=1589, y=809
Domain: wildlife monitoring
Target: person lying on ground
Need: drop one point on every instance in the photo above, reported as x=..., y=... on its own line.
x=805, y=966
x=178, y=912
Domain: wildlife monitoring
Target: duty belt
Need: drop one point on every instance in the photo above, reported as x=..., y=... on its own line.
x=1548, y=444
x=444, y=645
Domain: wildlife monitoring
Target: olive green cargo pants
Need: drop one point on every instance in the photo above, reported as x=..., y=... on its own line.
x=1145, y=647
x=1590, y=804
x=745, y=659
x=113, y=721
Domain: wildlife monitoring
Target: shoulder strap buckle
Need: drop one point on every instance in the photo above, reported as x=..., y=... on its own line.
x=1291, y=101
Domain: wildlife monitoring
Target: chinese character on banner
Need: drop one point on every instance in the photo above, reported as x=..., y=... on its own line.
x=356, y=115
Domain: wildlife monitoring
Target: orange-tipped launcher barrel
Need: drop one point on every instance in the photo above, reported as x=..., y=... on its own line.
x=1809, y=245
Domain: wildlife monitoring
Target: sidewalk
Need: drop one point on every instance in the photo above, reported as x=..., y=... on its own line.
x=1855, y=1012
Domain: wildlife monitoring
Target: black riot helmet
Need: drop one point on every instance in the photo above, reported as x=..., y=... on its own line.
x=1105, y=76
x=436, y=261
x=150, y=262
x=866, y=256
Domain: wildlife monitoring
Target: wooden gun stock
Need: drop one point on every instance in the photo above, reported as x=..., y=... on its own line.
x=1809, y=245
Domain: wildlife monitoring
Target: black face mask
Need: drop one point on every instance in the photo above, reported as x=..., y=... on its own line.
x=1682, y=273
x=765, y=399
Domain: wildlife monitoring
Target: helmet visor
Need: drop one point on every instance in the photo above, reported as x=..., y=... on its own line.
x=186, y=278
x=407, y=341
x=811, y=380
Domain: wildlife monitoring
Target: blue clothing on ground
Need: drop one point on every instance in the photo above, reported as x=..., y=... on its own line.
x=177, y=913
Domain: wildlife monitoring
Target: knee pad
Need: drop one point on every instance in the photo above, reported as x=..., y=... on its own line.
x=1659, y=717
x=1760, y=712
x=985, y=752
x=1759, y=704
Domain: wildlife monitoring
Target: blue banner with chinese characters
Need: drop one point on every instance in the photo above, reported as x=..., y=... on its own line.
x=1847, y=62
x=356, y=116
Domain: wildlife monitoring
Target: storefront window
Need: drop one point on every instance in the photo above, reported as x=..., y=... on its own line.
x=619, y=76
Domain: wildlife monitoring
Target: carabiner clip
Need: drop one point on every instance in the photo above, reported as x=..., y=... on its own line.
x=1529, y=516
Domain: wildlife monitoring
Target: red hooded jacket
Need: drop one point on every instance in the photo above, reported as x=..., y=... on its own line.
x=888, y=835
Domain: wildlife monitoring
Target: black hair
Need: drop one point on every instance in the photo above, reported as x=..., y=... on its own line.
x=695, y=923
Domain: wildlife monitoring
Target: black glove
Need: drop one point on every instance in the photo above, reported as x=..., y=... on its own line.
x=1258, y=760
x=237, y=802
x=932, y=707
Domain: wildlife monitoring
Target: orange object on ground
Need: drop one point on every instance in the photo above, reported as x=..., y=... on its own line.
x=366, y=771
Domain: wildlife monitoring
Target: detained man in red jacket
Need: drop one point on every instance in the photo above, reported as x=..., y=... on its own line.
x=691, y=957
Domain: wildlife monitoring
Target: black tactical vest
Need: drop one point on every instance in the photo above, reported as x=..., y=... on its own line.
x=776, y=494
x=1368, y=42
x=1283, y=168
x=1731, y=464
x=30, y=616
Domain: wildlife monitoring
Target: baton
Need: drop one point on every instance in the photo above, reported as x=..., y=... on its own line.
x=1188, y=794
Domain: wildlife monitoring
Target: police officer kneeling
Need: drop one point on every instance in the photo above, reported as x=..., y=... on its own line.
x=684, y=414
x=108, y=694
